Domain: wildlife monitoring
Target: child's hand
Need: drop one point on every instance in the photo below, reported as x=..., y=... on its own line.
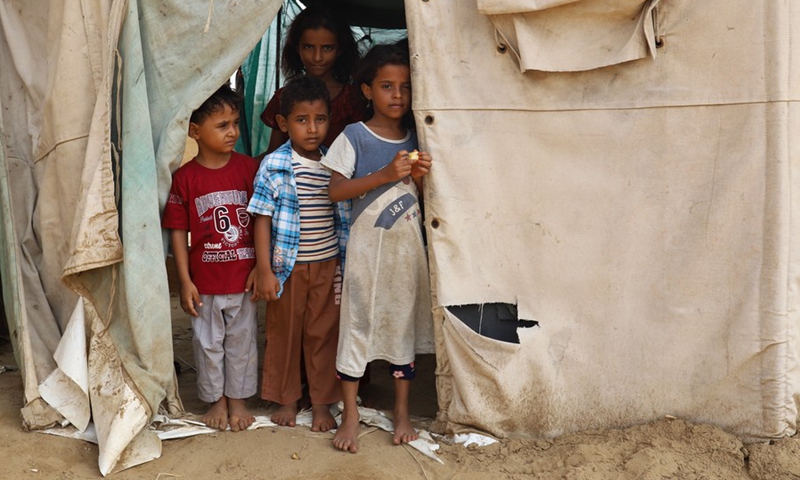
x=251, y=282
x=189, y=298
x=399, y=168
x=267, y=285
x=422, y=166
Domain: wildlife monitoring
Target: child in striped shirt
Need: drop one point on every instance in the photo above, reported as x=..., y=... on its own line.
x=298, y=233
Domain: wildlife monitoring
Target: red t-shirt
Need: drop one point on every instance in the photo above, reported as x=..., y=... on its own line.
x=212, y=206
x=349, y=106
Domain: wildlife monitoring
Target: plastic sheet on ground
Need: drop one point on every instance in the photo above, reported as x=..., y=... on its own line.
x=167, y=428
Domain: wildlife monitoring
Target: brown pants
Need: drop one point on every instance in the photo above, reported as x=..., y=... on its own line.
x=304, y=321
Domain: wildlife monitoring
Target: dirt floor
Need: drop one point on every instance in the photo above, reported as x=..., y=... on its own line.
x=669, y=448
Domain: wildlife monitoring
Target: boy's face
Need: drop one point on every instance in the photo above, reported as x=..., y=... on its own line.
x=218, y=133
x=307, y=126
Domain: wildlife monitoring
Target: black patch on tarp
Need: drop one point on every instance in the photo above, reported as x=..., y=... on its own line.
x=498, y=321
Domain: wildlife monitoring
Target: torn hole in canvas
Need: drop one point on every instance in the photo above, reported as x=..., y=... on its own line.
x=466, y=346
x=498, y=321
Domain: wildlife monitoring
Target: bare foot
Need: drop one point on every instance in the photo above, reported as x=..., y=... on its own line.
x=285, y=416
x=321, y=418
x=240, y=417
x=403, y=430
x=217, y=415
x=346, y=437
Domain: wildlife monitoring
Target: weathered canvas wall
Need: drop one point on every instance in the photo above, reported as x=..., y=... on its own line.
x=95, y=101
x=642, y=212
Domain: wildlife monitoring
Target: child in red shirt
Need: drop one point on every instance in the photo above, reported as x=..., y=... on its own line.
x=208, y=200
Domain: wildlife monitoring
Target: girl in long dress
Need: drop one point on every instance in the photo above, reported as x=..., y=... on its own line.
x=386, y=304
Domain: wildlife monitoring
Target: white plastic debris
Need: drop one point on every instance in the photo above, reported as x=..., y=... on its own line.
x=167, y=428
x=473, y=439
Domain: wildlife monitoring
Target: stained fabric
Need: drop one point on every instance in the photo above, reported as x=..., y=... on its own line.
x=574, y=35
x=96, y=98
x=642, y=213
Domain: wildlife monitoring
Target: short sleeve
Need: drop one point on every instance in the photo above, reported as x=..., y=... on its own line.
x=341, y=157
x=272, y=109
x=176, y=211
x=353, y=105
x=263, y=200
x=349, y=106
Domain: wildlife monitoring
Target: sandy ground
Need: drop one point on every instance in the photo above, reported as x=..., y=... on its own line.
x=669, y=448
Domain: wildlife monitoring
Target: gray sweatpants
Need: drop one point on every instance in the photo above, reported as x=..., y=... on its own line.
x=224, y=343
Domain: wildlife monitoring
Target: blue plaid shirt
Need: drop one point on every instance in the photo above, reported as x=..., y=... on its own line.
x=275, y=195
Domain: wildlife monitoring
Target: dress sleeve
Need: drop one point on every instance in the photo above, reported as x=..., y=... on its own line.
x=356, y=105
x=341, y=157
x=271, y=110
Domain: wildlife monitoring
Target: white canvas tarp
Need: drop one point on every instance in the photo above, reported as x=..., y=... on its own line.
x=643, y=213
x=574, y=35
x=95, y=100
x=639, y=205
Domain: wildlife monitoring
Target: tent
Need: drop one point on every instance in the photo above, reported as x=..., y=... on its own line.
x=611, y=217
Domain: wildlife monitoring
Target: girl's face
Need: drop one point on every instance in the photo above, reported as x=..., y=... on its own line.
x=318, y=50
x=390, y=91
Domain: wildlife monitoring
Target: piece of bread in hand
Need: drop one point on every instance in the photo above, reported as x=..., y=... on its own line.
x=413, y=156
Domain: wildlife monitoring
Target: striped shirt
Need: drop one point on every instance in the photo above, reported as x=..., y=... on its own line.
x=275, y=195
x=318, y=239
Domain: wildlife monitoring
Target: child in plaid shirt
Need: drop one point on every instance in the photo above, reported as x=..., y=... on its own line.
x=298, y=233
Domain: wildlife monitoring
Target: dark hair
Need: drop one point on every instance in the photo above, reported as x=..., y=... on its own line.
x=380, y=56
x=224, y=96
x=303, y=89
x=312, y=18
